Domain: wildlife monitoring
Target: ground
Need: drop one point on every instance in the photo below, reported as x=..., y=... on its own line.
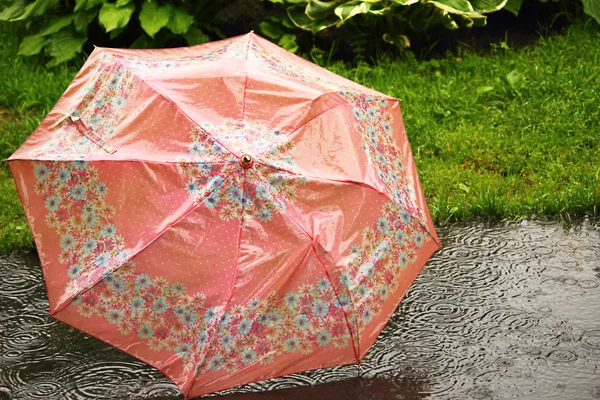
x=506, y=134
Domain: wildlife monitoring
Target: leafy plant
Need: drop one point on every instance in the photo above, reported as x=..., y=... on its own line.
x=590, y=7
x=65, y=25
x=399, y=17
x=281, y=30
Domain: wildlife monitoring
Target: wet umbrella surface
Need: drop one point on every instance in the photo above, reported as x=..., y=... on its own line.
x=227, y=213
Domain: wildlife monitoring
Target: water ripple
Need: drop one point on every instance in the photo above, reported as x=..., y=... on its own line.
x=501, y=311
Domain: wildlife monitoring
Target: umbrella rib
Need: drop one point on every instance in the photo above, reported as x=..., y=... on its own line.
x=168, y=99
x=355, y=183
x=232, y=285
x=245, y=82
x=313, y=242
x=355, y=343
x=100, y=278
x=295, y=132
x=162, y=162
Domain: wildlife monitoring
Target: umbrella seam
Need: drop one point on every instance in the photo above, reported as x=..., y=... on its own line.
x=126, y=160
x=232, y=285
x=355, y=183
x=313, y=241
x=168, y=99
x=329, y=74
x=100, y=278
x=245, y=82
x=295, y=131
x=355, y=346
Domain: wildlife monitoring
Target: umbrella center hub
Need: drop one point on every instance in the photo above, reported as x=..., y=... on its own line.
x=246, y=161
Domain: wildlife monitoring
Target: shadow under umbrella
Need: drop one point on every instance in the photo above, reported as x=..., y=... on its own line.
x=379, y=388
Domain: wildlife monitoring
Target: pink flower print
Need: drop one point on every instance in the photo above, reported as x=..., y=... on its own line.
x=90, y=299
x=339, y=330
x=320, y=308
x=302, y=321
x=115, y=316
x=292, y=344
x=323, y=338
x=161, y=333
x=248, y=356
x=145, y=331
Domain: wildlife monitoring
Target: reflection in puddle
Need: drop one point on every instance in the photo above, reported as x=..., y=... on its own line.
x=501, y=311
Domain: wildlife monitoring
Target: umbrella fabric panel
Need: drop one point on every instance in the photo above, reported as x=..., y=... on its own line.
x=114, y=105
x=328, y=146
x=270, y=58
x=284, y=316
x=164, y=304
x=77, y=204
x=366, y=241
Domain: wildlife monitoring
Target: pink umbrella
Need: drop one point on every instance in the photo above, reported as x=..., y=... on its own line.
x=227, y=213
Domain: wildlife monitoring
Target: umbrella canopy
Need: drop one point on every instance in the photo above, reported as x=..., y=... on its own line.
x=227, y=213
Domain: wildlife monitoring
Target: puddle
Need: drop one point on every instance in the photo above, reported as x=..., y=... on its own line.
x=502, y=311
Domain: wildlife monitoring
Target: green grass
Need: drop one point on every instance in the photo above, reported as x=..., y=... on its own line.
x=504, y=135
x=509, y=134
x=27, y=92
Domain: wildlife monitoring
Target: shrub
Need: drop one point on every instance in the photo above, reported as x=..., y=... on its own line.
x=64, y=26
x=398, y=16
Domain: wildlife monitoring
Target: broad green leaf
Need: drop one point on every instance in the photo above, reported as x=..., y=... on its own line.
x=470, y=20
x=180, y=21
x=318, y=10
x=154, y=16
x=513, y=6
x=325, y=23
x=112, y=17
x=405, y=2
x=36, y=9
x=56, y=24
x=287, y=23
x=453, y=6
x=592, y=8
x=31, y=45
x=63, y=46
x=195, y=36
x=351, y=9
x=82, y=19
x=301, y=20
x=448, y=22
x=271, y=30
x=116, y=32
x=16, y=9
x=422, y=16
x=467, y=22
x=487, y=6
x=86, y=4
x=479, y=20
x=288, y=42
x=121, y=3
